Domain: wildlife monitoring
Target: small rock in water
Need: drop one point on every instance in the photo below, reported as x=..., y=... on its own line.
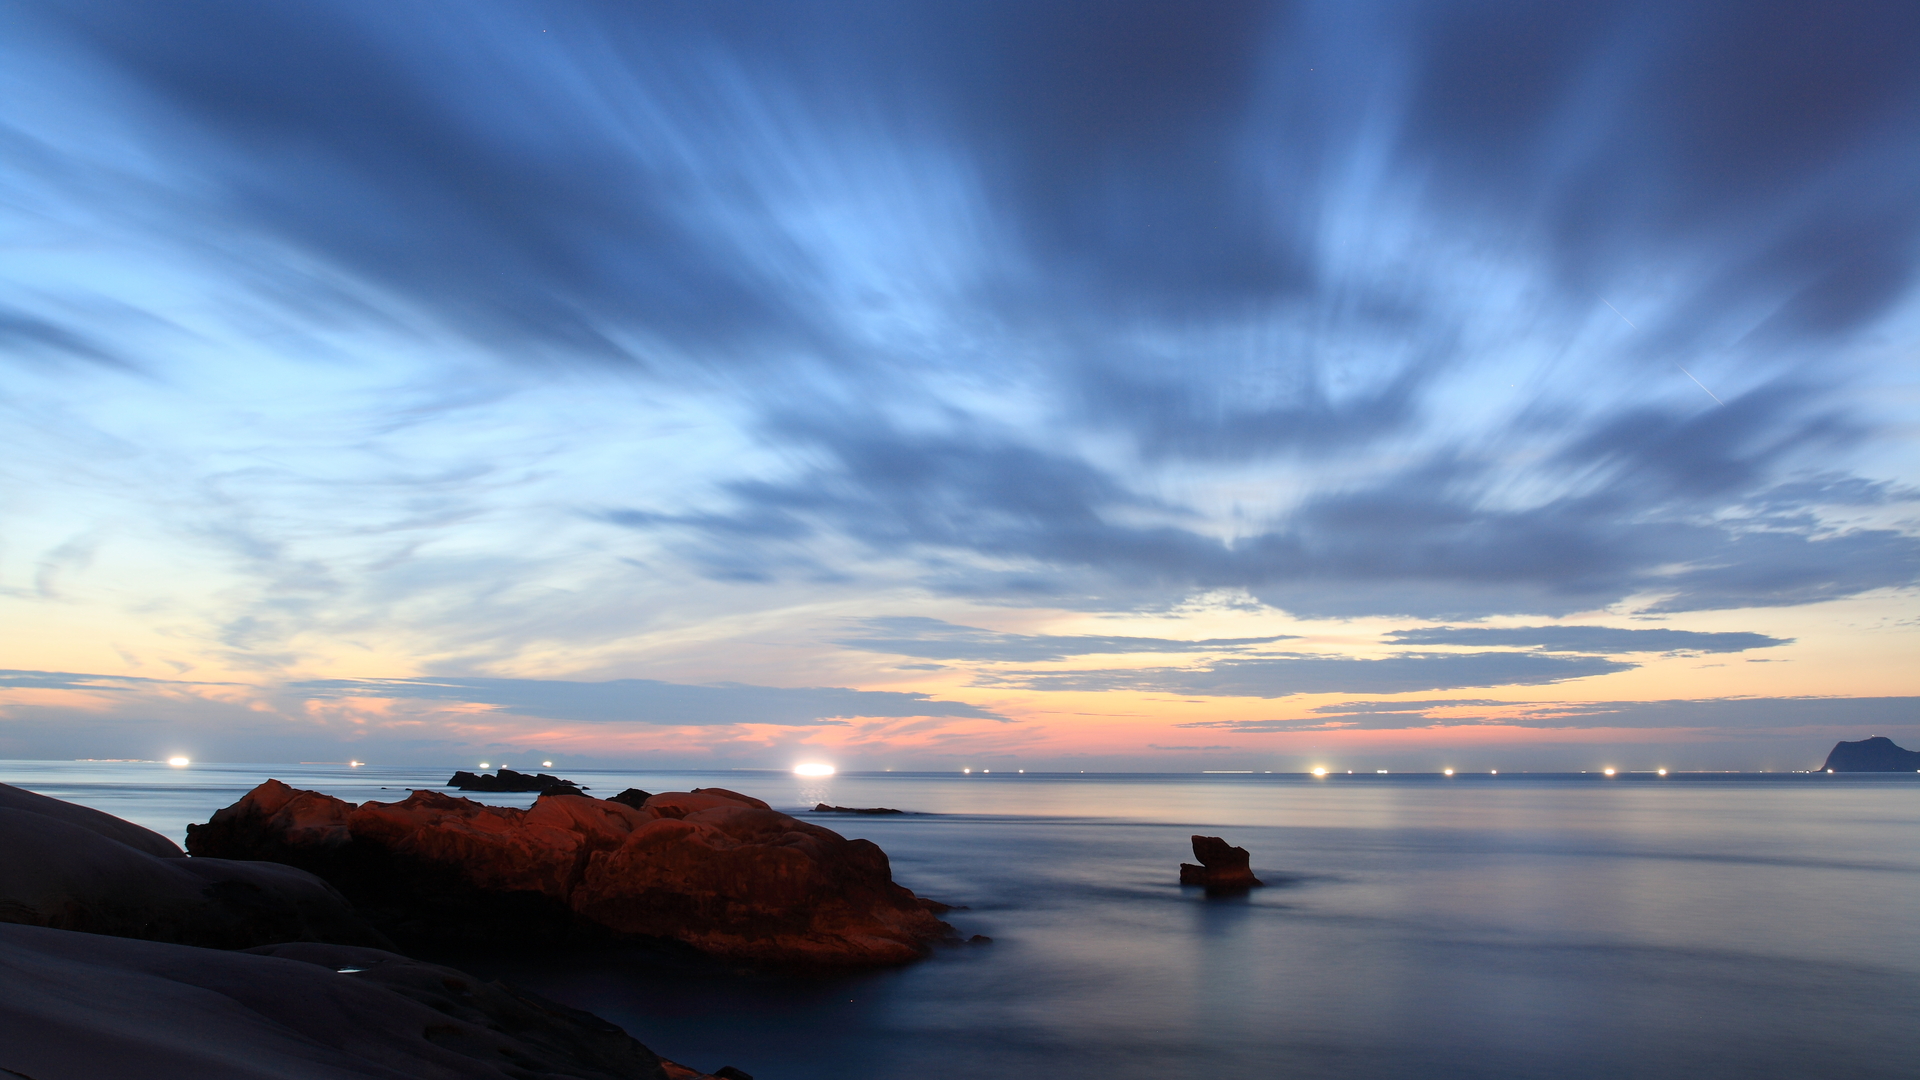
x=823, y=808
x=633, y=797
x=1223, y=867
x=510, y=780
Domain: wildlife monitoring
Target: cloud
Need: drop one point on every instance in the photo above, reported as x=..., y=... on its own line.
x=1730, y=713
x=649, y=701
x=68, y=680
x=1302, y=673
x=937, y=640
x=1586, y=639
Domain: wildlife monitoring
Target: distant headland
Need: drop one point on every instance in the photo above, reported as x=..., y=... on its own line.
x=1878, y=754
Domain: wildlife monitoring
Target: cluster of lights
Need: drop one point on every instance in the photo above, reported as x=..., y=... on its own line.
x=179, y=762
x=813, y=768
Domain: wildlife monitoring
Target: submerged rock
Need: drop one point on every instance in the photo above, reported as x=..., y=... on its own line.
x=79, y=1005
x=1878, y=754
x=823, y=808
x=507, y=780
x=711, y=868
x=72, y=868
x=1223, y=868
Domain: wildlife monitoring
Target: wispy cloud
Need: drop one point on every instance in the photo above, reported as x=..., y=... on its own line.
x=1892, y=713
x=649, y=701
x=1587, y=639
x=1304, y=673
x=934, y=639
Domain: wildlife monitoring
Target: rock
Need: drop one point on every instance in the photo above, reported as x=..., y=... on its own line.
x=509, y=780
x=1223, y=868
x=72, y=868
x=1878, y=754
x=79, y=1005
x=823, y=808
x=633, y=797
x=711, y=868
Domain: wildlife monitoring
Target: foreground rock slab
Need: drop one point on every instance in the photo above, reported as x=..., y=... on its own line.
x=713, y=869
x=72, y=868
x=85, y=1007
x=1223, y=867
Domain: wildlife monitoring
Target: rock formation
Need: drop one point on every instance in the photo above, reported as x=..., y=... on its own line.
x=711, y=868
x=823, y=808
x=81, y=1005
x=72, y=868
x=1878, y=754
x=1223, y=868
x=509, y=780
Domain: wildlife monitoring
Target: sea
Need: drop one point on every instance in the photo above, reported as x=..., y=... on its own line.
x=1692, y=925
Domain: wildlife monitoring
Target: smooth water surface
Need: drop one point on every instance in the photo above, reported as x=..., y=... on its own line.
x=1725, y=925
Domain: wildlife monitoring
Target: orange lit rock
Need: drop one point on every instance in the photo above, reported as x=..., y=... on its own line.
x=715, y=869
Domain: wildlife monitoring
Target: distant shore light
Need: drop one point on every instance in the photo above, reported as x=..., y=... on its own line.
x=813, y=768
x=178, y=762
x=1662, y=772
x=1609, y=772
x=546, y=764
x=1319, y=770
x=969, y=772
x=1448, y=772
x=355, y=764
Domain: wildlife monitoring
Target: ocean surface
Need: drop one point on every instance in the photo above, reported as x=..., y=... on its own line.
x=1520, y=925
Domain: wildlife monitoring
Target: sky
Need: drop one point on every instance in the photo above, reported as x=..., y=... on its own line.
x=1105, y=385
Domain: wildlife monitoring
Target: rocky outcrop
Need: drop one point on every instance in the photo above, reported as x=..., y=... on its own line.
x=1878, y=754
x=711, y=868
x=1223, y=868
x=72, y=868
x=79, y=1005
x=507, y=780
x=823, y=808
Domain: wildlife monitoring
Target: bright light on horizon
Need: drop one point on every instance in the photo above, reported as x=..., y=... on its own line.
x=546, y=764
x=1609, y=772
x=178, y=762
x=813, y=769
x=1320, y=770
x=1447, y=772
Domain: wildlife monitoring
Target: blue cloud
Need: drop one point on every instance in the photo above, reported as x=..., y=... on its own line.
x=934, y=639
x=1732, y=713
x=1587, y=639
x=1270, y=677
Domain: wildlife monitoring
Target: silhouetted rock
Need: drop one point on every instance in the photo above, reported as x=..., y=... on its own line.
x=72, y=868
x=509, y=780
x=711, y=868
x=1223, y=868
x=286, y=1012
x=1878, y=754
x=823, y=808
x=633, y=797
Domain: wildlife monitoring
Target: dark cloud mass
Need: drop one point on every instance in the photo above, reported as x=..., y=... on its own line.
x=1104, y=303
x=1270, y=677
x=934, y=639
x=1890, y=713
x=1586, y=639
x=649, y=701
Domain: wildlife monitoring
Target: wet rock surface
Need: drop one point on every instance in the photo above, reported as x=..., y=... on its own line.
x=711, y=869
x=71, y=868
x=1223, y=868
x=81, y=1005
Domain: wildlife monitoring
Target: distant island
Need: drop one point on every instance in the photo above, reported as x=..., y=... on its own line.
x=1878, y=754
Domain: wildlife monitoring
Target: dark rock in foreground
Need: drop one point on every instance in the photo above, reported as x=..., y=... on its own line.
x=1878, y=754
x=713, y=869
x=72, y=868
x=633, y=797
x=509, y=780
x=1223, y=868
x=80, y=1005
x=823, y=808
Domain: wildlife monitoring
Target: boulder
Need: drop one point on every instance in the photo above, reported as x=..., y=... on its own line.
x=72, y=868
x=1878, y=754
x=1223, y=868
x=823, y=808
x=79, y=1005
x=713, y=869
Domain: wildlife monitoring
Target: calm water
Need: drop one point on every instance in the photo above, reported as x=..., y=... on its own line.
x=1417, y=926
